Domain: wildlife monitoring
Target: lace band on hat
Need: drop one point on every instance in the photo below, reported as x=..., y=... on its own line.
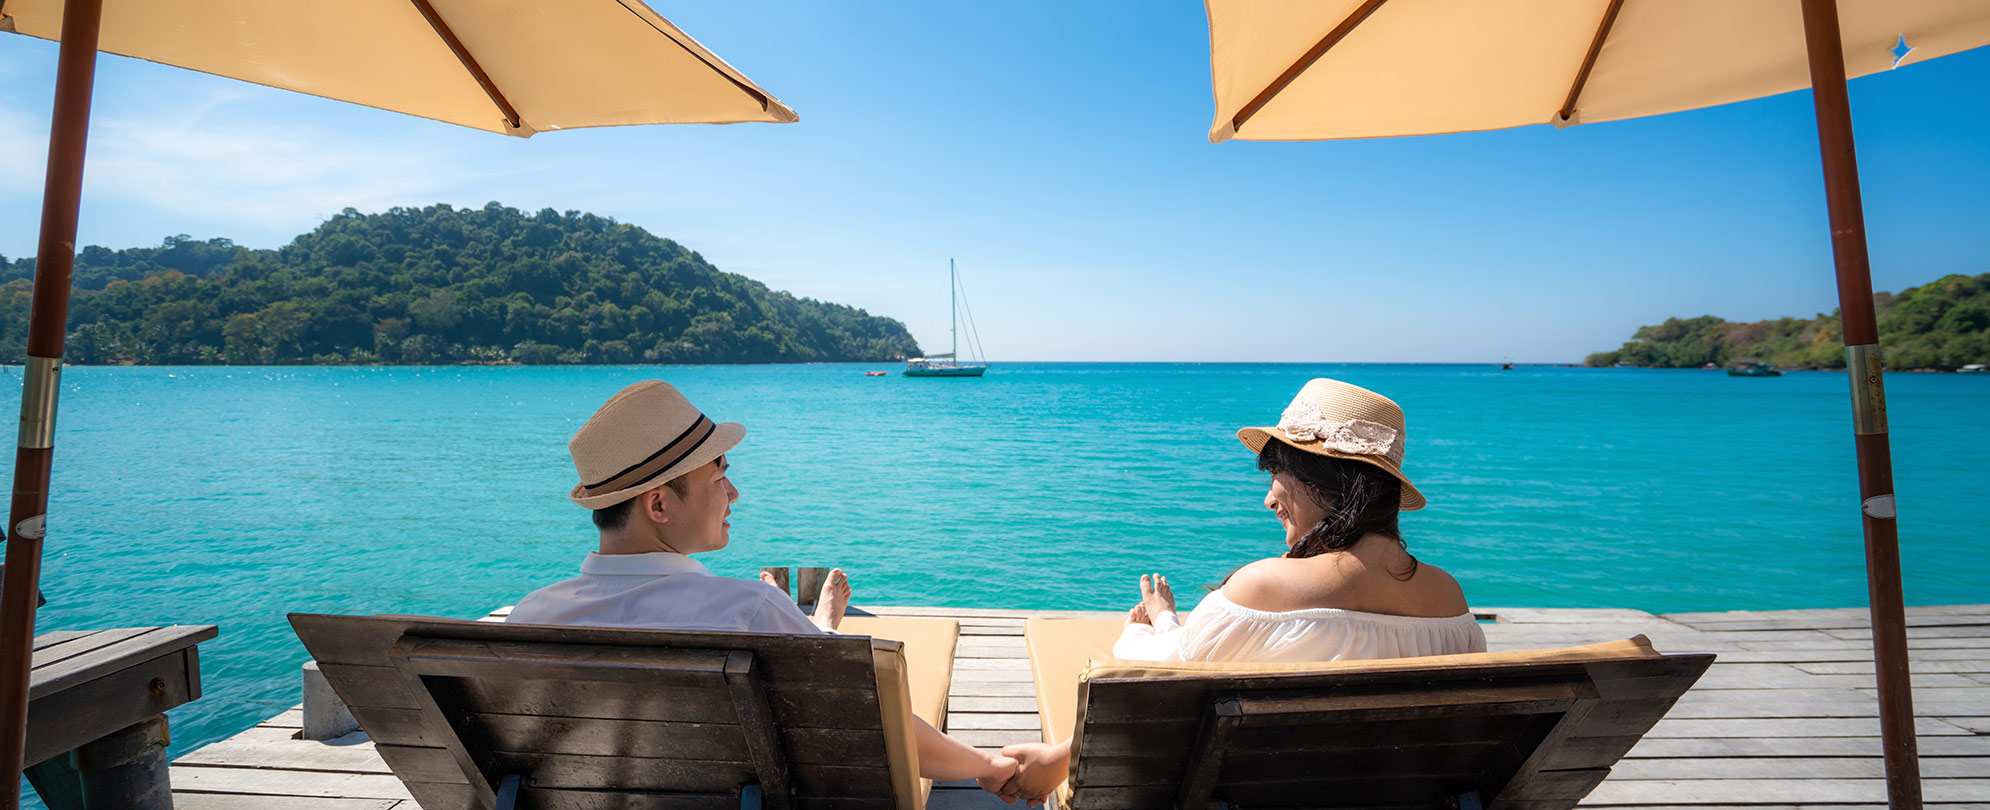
x=1303, y=423
x=677, y=450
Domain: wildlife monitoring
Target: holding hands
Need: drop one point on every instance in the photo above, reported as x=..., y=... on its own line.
x=1040, y=768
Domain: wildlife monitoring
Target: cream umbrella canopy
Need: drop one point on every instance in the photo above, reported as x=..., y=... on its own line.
x=1308, y=70
x=509, y=66
x=1330, y=69
x=506, y=66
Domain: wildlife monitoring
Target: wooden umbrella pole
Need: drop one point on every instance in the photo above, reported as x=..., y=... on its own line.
x=1862, y=361
x=76, y=69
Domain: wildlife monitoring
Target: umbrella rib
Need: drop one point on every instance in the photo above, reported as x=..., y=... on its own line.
x=469, y=62
x=1589, y=59
x=1312, y=55
x=749, y=89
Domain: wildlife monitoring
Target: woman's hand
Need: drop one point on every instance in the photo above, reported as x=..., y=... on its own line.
x=1001, y=771
x=1155, y=595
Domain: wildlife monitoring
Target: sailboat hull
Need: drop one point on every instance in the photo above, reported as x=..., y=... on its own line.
x=964, y=371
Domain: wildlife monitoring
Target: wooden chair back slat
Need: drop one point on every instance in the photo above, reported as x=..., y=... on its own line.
x=592, y=737
x=453, y=796
x=502, y=661
x=794, y=705
x=645, y=773
x=756, y=721
x=810, y=706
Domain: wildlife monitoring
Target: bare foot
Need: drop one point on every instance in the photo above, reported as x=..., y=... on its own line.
x=1138, y=615
x=834, y=600
x=1155, y=595
x=769, y=579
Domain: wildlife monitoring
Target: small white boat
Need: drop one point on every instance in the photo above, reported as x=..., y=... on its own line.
x=941, y=365
x=1974, y=368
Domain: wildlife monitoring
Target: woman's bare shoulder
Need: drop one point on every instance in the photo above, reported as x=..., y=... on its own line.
x=1436, y=592
x=1280, y=584
x=1346, y=582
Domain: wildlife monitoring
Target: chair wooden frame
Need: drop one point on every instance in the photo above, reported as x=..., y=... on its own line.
x=730, y=670
x=1528, y=735
x=500, y=716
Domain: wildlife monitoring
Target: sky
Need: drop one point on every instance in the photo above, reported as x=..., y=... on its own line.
x=1059, y=153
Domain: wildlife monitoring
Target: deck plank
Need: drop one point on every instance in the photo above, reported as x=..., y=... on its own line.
x=1823, y=792
x=272, y=782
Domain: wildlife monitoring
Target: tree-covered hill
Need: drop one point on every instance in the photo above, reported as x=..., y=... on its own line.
x=439, y=285
x=1941, y=325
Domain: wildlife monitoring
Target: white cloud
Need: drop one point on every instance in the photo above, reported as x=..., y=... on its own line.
x=263, y=174
x=230, y=160
x=21, y=167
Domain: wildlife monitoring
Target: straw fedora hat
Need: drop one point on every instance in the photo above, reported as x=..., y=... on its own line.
x=1333, y=418
x=646, y=434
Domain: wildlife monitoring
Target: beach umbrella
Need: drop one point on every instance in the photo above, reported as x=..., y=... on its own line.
x=507, y=66
x=1330, y=69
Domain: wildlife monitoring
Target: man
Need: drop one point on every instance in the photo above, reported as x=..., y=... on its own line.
x=653, y=469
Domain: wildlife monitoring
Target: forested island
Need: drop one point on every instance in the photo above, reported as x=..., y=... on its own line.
x=1941, y=325
x=439, y=285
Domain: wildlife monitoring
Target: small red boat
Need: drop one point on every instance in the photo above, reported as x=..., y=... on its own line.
x=874, y=373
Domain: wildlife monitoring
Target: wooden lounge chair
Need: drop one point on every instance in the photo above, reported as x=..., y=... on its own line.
x=1535, y=730
x=495, y=716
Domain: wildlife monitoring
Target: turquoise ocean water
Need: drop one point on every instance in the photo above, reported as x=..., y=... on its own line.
x=232, y=496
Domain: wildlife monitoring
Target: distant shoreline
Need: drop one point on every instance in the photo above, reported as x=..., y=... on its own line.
x=1576, y=366
x=894, y=363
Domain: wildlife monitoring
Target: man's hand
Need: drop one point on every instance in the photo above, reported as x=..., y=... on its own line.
x=1155, y=595
x=1004, y=770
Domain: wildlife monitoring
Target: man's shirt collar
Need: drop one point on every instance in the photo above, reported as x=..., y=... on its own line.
x=651, y=564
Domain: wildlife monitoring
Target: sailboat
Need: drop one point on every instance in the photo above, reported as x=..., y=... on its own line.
x=949, y=364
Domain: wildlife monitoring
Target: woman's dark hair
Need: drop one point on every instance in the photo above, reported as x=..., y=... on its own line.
x=1359, y=499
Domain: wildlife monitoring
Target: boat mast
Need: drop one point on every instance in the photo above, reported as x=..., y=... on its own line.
x=953, y=312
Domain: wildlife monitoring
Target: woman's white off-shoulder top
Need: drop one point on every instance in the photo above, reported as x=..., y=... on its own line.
x=1220, y=630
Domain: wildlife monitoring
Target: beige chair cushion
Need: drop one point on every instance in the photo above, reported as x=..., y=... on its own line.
x=1068, y=654
x=929, y=654
x=914, y=679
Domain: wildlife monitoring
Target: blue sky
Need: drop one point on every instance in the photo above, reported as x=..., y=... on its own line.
x=1058, y=151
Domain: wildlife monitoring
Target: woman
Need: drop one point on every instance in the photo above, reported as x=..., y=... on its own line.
x=1347, y=586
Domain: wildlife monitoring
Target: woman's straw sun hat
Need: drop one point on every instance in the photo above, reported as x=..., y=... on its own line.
x=645, y=435
x=1333, y=418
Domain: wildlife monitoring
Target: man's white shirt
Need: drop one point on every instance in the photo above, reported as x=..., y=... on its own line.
x=661, y=590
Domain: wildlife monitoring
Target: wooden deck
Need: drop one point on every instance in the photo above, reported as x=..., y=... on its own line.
x=1786, y=718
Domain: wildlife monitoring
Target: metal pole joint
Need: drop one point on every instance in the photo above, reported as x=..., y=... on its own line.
x=38, y=394
x=1862, y=362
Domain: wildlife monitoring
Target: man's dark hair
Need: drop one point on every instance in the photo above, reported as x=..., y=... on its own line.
x=610, y=518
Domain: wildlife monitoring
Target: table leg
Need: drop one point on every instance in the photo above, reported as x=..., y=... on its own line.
x=55, y=781
x=127, y=768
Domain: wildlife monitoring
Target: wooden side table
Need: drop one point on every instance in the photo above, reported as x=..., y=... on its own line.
x=96, y=713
